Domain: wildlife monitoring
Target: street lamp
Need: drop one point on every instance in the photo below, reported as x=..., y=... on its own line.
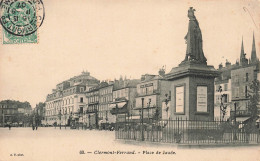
x=60, y=118
x=65, y=118
x=142, y=119
x=89, y=121
x=223, y=108
x=148, y=108
x=106, y=121
x=235, y=121
x=3, y=117
x=166, y=104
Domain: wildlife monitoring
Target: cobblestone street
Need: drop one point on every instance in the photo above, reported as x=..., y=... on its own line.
x=55, y=144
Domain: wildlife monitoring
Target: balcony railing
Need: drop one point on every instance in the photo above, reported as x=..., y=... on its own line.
x=148, y=93
x=240, y=113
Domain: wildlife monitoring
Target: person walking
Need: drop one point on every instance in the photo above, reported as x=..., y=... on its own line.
x=9, y=125
x=33, y=122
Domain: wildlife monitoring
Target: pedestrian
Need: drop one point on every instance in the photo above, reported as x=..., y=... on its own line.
x=9, y=125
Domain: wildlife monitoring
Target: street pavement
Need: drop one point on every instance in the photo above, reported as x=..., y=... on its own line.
x=50, y=144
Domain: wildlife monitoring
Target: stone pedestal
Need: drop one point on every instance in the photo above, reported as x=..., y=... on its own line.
x=192, y=87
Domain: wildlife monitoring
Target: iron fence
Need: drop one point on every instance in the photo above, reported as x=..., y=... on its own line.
x=189, y=131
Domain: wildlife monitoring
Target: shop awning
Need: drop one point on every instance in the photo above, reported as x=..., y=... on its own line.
x=258, y=120
x=112, y=106
x=135, y=117
x=242, y=119
x=121, y=104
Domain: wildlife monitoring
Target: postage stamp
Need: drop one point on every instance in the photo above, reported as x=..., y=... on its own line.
x=20, y=20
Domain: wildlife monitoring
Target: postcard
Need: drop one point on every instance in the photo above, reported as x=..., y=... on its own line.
x=129, y=80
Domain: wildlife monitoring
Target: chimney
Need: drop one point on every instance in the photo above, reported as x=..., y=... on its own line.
x=142, y=77
x=228, y=64
x=220, y=66
x=161, y=72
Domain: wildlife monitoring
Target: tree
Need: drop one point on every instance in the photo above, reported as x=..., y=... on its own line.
x=223, y=107
x=254, y=99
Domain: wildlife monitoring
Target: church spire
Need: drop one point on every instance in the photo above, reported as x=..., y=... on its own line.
x=243, y=59
x=253, y=52
x=242, y=53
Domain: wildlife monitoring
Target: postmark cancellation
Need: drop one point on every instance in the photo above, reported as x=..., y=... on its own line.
x=20, y=20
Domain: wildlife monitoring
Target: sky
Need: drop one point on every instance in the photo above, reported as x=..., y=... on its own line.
x=109, y=38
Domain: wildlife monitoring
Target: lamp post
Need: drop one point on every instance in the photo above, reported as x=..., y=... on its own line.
x=166, y=104
x=3, y=117
x=96, y=114
x=70, y=119
x=89, y=121
x=148, y=108
x=83, y=117
x=106, y=121
x=222, y=107
x=65, y=118
x=142, y=119
x=60, y=118
x=235, y=121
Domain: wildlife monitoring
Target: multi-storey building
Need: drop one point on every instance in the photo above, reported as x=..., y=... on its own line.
x=223, y=91
x=14, y=112
x=92, y=106
x=65, y=104
x=152, y=93
x=105, y=99
x=124, y=93
x=241, y=78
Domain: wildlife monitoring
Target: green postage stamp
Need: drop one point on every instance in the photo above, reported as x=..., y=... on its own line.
x=20, y=20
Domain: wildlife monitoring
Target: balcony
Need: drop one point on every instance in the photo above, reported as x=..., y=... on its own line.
x=115, y=111
x=154, y=92
x=91, y=111
x=240, y=113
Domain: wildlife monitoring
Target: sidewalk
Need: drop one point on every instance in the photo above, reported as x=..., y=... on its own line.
x=183, y=146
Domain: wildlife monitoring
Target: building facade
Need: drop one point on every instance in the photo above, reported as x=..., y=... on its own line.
x=241, y=78
x=105, y=99
x=223, y=91
x=153, y=97
x=124, y=93
x=65, y=104
x=14, y=112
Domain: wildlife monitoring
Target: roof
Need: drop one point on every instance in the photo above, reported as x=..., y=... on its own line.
x=126, y=84
x=99, y=86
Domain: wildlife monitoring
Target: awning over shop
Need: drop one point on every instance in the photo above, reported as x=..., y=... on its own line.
x=242, y=119
x=112, y=106
x=258, y=120
x=135, y=117
x=121, y=104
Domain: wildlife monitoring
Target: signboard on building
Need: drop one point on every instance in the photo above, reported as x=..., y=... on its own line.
x=179, y=99
x=202, y=99
x=146, y=85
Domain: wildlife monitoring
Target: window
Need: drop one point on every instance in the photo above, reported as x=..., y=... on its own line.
x=224, y=98
x=246, y=92
x=225, y=87
x=236, y=91
x=246, y=77
x=81, y=99
x=81, y=89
